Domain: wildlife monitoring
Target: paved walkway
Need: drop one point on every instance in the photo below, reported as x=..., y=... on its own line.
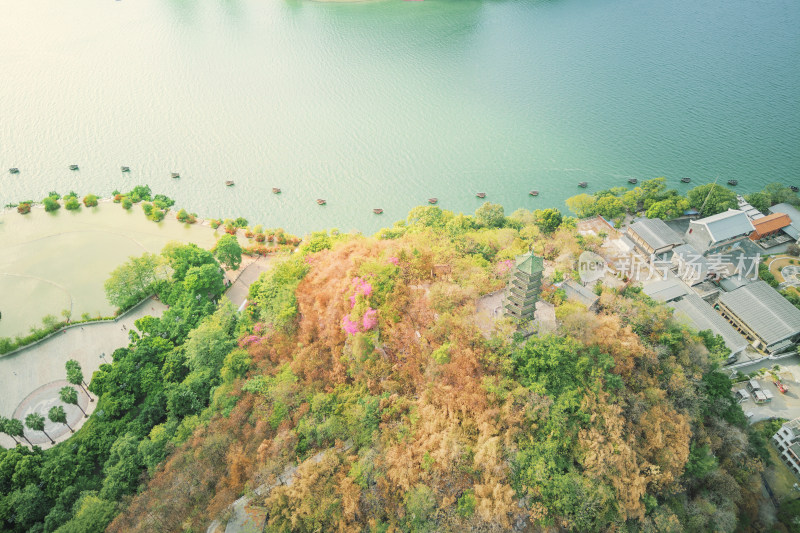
x=35, y=369
x=248, y=272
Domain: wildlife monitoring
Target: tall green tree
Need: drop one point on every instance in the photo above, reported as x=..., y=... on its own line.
x=134, y=280
x=182, y=257
x=228, y=251
x=711, y=199
x=760, y=200
x=205, y=280
x=75, y=376
x=14, y=428
x=69, y=396
x=490, y=215
x=35, y=421
x=548, y=220
x=59, y=416
x=4, y=428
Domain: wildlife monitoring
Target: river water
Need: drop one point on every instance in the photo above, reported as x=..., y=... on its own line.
x=386, y=104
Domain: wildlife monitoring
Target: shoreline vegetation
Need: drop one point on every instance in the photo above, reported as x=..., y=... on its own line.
x=650, y=198
x=359, y=367
x=156, y=207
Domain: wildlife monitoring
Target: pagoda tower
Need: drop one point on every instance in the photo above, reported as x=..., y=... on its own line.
x=524, y=287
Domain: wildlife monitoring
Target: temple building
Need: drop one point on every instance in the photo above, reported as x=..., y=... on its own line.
x=524, y=287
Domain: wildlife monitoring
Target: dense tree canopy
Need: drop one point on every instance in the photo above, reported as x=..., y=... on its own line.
x=360, y=391
x=711, y=199
x=228, y=251
x=134, y=280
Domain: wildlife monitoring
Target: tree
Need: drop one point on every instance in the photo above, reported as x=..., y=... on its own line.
x=490, y=215
x=75, y=376
x=59, y=416
x=90, y=200
x=711, y=199
x=548, y=220
x=789, y=514
x=668, y=209
x=134, y=280
x=4, y=428
x=14, y=428
x=69, y=396
x=51, y=204
x=609, y=207
x=429, y=216
x=760, y=200
x=182, y=257
x=583, y=205
x=35, y=421
x=228, y=252
x=779, y=193
x=205, y=281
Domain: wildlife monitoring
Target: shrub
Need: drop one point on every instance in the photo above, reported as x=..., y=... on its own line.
x=148, y=209
x=157, y=215
x=24, y=208
x=54, y=194
x=163, y=202
x=215, y=223
x=90, y=200
x=260, y=237
x=240, y=222
x=182, y=215
x=71, y=203
x=126, y=203
x=51, y=204
x=117, y=198
x=139, y=193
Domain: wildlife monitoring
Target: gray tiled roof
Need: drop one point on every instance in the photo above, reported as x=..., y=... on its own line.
x=763, y=310
x=724, y=226
x=702, y=316
x=792, y=230
x=656, y=233
x=578, y=292
x=666, y=289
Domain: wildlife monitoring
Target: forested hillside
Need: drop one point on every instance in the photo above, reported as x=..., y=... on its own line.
x=359, y=362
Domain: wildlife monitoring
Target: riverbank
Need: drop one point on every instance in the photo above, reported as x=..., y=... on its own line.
x=56, y=263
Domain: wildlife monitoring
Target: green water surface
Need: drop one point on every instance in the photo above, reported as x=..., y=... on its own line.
x=385, y=104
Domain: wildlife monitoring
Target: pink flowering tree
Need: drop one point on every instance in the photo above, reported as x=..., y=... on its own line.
x=504, y=267
x=362, y=316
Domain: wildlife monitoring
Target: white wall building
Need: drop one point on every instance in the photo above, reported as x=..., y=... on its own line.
x=787, y=439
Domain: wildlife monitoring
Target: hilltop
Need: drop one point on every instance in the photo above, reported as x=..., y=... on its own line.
x=357, y=393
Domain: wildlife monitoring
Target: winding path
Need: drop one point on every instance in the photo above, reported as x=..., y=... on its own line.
x=31, y=376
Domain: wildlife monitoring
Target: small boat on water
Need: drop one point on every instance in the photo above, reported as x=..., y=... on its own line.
x=276, y=190
x=320, y=201
x=583, y=185
x=73, y=167
x=14, y=170
x=433, y=201
x=733, y=182
x=794, y=188
x=633, y=181
x=481, y=195
x=175, y=175
x=229, y=183
x=125, y=169
x=686, y=180
x=377, y=211
x=534, y=193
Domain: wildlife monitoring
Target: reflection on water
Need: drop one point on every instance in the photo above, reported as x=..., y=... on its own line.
x=384, y=104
